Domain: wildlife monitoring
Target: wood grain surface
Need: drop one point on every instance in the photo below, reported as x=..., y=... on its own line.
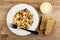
x=6, y=34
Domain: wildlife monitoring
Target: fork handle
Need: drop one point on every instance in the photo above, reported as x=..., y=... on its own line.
x=34, y=32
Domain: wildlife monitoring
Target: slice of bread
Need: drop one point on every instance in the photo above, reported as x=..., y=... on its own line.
x=50, y=24
x=47, y=25
x=42, y=23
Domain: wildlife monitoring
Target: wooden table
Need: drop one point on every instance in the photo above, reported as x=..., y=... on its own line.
x=5, y=6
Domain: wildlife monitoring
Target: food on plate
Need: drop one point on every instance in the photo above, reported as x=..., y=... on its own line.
x=46, y=8
x=47, y=25
x=23, y=19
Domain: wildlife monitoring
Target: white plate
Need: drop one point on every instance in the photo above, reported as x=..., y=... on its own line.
x=15, y=9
